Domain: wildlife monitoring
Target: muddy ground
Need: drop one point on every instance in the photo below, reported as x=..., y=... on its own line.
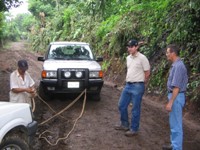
x=94, y=130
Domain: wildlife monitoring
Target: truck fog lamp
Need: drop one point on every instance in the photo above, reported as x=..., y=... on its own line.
x=79, y=74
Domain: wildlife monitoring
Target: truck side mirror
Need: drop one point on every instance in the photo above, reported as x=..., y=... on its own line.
x=41, y=59
x=99, y=58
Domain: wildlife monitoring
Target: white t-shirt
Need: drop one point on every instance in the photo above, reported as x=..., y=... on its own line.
x=16, y=81
x=136, y=65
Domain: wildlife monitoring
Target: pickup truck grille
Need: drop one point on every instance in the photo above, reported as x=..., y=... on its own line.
x=63, y=81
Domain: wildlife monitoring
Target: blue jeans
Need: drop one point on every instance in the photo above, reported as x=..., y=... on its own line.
x=175, y=121
x=131, y=93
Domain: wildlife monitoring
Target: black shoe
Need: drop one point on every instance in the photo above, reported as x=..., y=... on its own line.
x=167, y=147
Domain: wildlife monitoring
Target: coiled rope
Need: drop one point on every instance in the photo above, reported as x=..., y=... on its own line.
x=60, y=112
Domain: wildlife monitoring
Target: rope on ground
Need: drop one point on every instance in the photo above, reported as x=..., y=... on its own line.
x=63, y=138
x=72, y=103
x=49, y=106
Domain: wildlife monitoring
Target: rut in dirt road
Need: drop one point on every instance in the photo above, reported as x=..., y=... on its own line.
x=95, y=130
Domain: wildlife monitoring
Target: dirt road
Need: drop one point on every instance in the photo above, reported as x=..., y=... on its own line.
x=94, y=130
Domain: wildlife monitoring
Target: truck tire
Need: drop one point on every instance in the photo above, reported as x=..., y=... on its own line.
x=44, y=95
x=96, y=97
x=14, y=142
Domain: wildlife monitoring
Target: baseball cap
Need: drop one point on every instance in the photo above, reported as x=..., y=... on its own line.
x=23, y=65
x=132, y=42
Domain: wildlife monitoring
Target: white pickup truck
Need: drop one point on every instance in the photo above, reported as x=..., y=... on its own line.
x=70, y=67
x=17, y=127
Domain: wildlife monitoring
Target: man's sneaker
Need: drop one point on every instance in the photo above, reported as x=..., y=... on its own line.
x=167, y=147
x=131, y=133
x=121, y=127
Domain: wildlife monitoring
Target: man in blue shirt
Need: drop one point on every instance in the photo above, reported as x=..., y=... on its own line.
x=176, y=85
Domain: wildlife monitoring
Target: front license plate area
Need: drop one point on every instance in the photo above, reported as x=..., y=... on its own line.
x=73, y=84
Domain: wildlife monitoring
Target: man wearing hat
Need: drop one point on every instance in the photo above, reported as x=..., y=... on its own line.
x=21, y=84
x=138, y=72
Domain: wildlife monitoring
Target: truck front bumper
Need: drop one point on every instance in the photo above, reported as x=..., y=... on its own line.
x=53, y=86
x=32, y=128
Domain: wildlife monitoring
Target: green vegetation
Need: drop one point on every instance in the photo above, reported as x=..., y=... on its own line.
x=108, y=24
x=7, y=4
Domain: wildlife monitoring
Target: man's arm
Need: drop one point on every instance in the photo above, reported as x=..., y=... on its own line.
x=19, y=90
x=175, y=92
x=146, y=75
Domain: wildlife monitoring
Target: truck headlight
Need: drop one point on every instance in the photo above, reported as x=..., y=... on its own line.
x=49, y=74
x=96, y=74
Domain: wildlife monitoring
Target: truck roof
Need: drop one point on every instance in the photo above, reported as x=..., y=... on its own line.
x=68, y=42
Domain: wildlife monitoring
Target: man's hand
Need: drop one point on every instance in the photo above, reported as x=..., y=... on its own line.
x=175, y=92
x=32, y=91
x=168, y=106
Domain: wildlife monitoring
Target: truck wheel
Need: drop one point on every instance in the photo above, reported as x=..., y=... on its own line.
x=14, y=142
x=96, y=97
x=44, y=95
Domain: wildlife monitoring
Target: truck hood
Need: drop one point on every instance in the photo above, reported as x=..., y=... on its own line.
x=7, y=107
x=12, y=111
x=55, y=64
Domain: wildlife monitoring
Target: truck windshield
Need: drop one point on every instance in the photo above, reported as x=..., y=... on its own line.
x=70, y=52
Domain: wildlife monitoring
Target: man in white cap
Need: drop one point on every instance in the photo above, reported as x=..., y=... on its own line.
x=21, y=84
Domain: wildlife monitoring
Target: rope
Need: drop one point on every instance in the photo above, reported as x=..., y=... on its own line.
x=33, y=104
x=71, y=104
x=49, y=106
x=63, y=138
x=64, y=108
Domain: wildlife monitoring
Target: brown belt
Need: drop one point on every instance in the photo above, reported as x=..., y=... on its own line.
x=178, y=92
